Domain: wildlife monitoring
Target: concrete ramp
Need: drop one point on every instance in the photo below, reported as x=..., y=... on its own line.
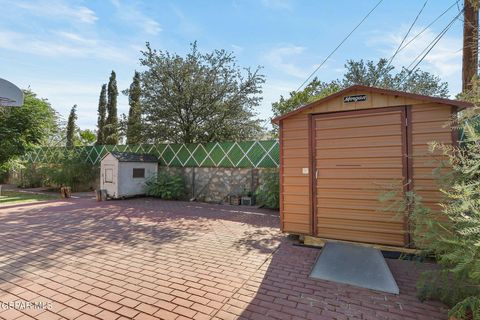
x=355, y=265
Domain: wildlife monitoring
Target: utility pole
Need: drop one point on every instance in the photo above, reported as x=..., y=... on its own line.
x=470, y=43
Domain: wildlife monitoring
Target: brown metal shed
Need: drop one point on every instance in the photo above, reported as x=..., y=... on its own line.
x=336, y=154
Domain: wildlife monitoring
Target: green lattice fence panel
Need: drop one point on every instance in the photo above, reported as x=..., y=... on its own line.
x=238, y=154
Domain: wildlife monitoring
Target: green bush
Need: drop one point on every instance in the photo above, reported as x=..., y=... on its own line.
x=28, y=175
x=3, y=176
x=72, y=170
x=166, y=186
x=31, y=176
x=268, y=192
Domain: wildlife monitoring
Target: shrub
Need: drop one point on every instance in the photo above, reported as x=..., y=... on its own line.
x=3, y=176
x=31, y=176
x=72, y=170
x=166, y=186
x=268, y=192
x=27, y=175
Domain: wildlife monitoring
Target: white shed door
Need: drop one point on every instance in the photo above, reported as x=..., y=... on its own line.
x=108, y=174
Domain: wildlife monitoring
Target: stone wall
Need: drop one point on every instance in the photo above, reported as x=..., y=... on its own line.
x=217, y=184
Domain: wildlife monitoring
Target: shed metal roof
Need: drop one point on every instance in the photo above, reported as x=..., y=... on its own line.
x=456, y=103
x=133, y=157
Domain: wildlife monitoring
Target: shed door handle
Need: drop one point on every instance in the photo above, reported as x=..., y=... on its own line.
x=316, y=174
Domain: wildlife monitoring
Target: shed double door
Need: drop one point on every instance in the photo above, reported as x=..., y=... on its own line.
x=356, y=156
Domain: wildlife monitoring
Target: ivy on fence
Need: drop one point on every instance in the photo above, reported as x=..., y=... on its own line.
x=238, y=154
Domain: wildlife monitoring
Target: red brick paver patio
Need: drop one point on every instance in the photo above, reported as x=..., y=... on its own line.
x=152, y=259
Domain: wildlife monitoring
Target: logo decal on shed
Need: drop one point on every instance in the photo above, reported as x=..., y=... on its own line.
x=355, y=98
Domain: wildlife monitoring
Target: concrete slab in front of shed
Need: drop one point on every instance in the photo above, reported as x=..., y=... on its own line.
x=355, y=265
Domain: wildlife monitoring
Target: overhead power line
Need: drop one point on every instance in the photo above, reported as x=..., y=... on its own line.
x=339, y=45
x=432, y=44
x=414, y=64
x=428, y=26
x=401, y=43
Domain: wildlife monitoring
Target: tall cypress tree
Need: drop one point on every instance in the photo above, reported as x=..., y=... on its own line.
x=102, y=115
x=72, y=117
x=134, y=124
x=111, y=126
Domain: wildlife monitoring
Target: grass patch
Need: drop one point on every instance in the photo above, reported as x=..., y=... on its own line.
x=13, y=197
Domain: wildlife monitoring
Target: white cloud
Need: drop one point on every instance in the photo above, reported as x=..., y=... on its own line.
x=58, y=9
x=151, y=26
x=75, y=37
x=134, y=16
x=282, y=58
x=185, y=24
x=61, y=44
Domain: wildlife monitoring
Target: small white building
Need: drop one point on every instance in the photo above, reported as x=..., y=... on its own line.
x=123, y=174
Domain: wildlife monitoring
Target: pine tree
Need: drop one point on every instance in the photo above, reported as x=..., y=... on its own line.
x=111, y=125
x=71, y=126
x=134, y=124
x=102, y=114
x=122, y=127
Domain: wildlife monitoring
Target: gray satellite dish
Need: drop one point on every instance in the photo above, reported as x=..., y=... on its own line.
x=10, y=94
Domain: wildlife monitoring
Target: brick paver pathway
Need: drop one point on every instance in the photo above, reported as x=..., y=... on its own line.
x=152, y=259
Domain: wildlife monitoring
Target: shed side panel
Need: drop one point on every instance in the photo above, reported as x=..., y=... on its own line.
x=130, y=186
x=430, y=122
x=295, y=190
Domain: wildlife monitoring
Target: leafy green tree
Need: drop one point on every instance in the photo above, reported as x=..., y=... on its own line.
x=86, y=137
x=315, y=90
x=134, y=123
x=368, y=73
x=71, y=126
x=382, y=75
x=201, y=97
x=111, y=124
x=102, y=115
x=22, y=128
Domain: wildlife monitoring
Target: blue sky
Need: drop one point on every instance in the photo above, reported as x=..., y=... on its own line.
x=64, y=50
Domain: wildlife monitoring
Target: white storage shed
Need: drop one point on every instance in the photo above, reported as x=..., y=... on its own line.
x=123, y=174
